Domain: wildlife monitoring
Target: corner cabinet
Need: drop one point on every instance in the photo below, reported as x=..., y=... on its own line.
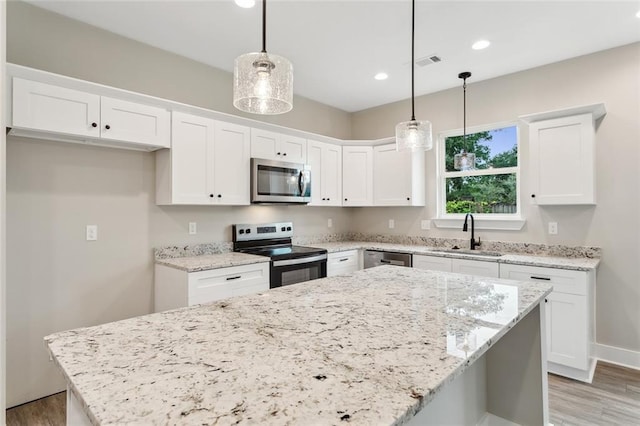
x=398, y=177
x=357, y=176
x=326, y=173
x=208, y=163
x=175, y=288
x=562, y=155
x=44, y=110
x=278, y=146
x=569, y=317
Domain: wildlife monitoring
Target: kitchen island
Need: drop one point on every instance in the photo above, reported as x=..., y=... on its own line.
x=373, y=347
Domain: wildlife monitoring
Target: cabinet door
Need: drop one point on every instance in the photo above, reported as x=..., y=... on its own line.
x=293, y=148
x=567, y=340
x=332, y=175
x=562, y=160
x=475, y=267
x=231, y=167
x=357, y=176
x=191, y=159
x=391, y=176
x=265, y=144
x=432, y=263
x=45, y=107
x=134, y=122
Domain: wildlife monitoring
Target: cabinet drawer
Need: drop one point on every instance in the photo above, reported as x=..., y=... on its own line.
x=342, y=262
x=563, y=281
x=207, y=286
x=432, y=263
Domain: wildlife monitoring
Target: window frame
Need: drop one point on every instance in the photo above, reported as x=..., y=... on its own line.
x=501, y=221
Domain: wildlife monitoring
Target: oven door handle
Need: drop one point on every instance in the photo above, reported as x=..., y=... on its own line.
x=288, y=262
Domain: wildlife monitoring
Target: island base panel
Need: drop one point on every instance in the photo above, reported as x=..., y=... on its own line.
x=76, y=414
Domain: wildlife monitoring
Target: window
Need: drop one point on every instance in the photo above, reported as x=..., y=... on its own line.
x=487, y=185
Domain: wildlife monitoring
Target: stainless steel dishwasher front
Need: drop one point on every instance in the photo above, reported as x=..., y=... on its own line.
x=376, y=258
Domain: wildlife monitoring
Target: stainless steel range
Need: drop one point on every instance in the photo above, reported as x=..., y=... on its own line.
x=289, y=264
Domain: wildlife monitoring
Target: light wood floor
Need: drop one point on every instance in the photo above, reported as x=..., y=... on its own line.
x=612, y=399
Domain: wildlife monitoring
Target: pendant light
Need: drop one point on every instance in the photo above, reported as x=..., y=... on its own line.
x=464, y=160
x=263, y=83
x=413, y=135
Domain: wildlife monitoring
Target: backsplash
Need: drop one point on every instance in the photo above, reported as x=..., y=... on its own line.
x=169, y=252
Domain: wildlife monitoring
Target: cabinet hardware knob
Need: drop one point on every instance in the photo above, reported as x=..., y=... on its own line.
x=546, y=301
x=533, y=195
x=345, y=199
x=211, y=195
x=323, y=199
x=285, y=154
x=277, y=153
x=94, y=124
x=219, y=195
x=408, y=198
x=107, y=127
x=328, y=199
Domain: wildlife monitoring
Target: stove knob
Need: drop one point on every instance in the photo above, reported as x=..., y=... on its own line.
x=242, y=231
x=248, y=231
x=288, y=228
x=283, y=229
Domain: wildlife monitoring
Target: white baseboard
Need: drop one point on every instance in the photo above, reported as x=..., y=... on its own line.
x=619, y=356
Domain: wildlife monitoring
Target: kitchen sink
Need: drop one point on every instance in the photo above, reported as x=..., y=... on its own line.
x=480, y=253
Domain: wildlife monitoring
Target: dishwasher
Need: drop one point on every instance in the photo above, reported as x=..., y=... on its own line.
x=376, y=258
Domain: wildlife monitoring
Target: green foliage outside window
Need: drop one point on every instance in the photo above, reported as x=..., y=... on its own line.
x=494, y=193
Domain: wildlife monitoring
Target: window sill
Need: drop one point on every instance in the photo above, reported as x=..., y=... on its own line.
x=485, y=223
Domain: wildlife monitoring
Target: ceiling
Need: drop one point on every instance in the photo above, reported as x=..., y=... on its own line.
x=338, y=46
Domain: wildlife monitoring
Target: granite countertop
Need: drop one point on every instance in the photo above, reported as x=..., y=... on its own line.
x=578, y=264
x=371, y=347
x=212, y=261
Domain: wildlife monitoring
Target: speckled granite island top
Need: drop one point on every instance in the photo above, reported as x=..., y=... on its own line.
x=212, y=261
x=372, y=347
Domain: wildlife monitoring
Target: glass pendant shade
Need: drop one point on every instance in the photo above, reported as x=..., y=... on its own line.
x=263, y=83
x=414, y=136
x=464, y=161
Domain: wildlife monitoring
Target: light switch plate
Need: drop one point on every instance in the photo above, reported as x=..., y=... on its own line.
x=425, y=224
x=92, y=232
x=193, y=228
x=329, y=223
x=392, y=223
x=553, y=228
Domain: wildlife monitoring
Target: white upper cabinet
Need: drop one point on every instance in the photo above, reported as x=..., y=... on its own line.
x=357, y=176
x=562, y=157
x=326, y=173
x=208, y=163
x=85, y=117
x=398, y=177
x=41, y=106
x=277, y=146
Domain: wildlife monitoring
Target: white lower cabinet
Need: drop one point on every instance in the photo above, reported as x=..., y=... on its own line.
x=569, y=317
x=175, y=288
x=343, y=262
x=460, y=266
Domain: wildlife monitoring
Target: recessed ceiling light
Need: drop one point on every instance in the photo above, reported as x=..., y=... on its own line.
x=246, y=3
x=480, y=44
x=381, y=76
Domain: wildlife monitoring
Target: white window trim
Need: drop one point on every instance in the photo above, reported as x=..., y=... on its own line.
x=507, y=222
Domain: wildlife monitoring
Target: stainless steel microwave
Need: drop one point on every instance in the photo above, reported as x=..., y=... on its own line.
x=280, y=182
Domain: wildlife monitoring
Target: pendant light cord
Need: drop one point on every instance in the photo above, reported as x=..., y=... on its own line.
x=264, y=26
x=413, y=65
x=464, y=111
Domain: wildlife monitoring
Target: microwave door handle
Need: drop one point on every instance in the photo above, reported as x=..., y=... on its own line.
x=302, y=183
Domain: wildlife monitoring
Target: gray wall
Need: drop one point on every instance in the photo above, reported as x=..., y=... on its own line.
x=612, y=77
x=57, y=280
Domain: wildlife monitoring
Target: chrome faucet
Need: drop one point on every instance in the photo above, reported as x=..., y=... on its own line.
x=473, y=243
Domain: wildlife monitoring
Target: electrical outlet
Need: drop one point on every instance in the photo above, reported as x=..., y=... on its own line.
x=329, y=223
x=92, y=232
x=553, y=228
x=425, y=224
x=392, y=223
x=193, y=228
